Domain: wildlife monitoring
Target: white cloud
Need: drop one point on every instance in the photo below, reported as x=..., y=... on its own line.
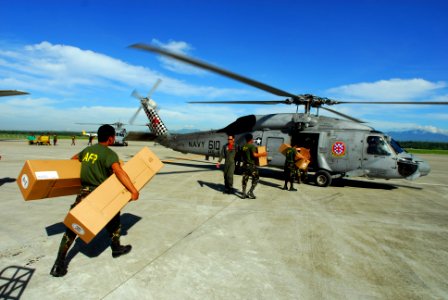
x=392, y=89
x=432, y=129
x=63, y=69
x=70, y=85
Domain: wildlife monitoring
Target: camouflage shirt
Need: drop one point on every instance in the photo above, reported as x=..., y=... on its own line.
x=291, y=155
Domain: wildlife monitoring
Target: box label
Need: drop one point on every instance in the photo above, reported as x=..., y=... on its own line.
x=25, y=181
x=78, y=229
x=46, y=175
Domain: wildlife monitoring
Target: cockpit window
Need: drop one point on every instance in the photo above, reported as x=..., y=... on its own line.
x=396, y=146
x=377, y=146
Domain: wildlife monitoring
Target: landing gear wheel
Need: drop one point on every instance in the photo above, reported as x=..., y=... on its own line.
x=323, y=178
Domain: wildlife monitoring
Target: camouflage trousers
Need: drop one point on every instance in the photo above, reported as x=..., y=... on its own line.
x=290, y=172
x=250, y=170
x=113, y=227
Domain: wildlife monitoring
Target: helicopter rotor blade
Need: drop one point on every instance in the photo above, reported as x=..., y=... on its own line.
x=267, y=102
x=391, y=102
x=343, y=115
x=12, y=93
x=136, y=94
x=212, y=68
x=131, y=121
x=154, y=87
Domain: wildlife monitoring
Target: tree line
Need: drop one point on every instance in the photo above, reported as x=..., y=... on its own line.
x=424, y=145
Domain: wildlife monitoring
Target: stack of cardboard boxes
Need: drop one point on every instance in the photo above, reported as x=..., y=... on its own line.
x=302, y=158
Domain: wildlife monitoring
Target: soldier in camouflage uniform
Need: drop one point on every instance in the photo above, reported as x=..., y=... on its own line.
x=249, y=153
x=290, y=169
x=98, y=162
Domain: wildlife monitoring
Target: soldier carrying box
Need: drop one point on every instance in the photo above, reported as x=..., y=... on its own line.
x=98, y=162
x=290, y=169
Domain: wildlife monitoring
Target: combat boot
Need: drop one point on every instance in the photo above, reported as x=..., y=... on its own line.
x=251, y=193
x=244, y=195
x=291, y=188
x=119, y=250
x=59, y=268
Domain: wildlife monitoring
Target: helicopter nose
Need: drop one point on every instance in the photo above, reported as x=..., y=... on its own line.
x=423, y=167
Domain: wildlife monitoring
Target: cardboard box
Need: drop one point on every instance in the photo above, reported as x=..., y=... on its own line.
x=283, y=147
x=263, y=160
x=92, y=214
x=49, y=178
x=304, y=153
x=302, y=164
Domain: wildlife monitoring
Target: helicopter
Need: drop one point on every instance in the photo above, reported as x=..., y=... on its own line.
x=120, y=133
x=339, y=147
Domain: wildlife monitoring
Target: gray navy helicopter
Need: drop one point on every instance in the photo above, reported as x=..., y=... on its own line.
x=338, y=147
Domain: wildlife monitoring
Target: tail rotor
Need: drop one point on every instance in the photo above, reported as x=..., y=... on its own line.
x=143, y=100
x=150, y=107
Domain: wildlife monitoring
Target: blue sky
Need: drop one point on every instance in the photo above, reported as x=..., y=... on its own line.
x=73, y=58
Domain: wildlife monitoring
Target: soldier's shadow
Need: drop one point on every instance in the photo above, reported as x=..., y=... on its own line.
x=102, y=241
x=214, y=186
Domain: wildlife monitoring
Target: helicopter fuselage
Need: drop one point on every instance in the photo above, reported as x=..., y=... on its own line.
x=339, y=148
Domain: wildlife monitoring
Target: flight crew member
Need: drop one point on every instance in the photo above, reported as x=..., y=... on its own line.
x=228, y=152
x=98, y=162
x=290, y=169
x=249, y=153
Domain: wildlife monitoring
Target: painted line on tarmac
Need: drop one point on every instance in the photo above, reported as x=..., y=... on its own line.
x=432, y=184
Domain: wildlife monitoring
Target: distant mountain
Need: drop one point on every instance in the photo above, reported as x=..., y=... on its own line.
x=418, y=135
x=185, y=130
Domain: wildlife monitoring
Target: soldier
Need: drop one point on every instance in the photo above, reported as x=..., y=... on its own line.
x=290, y=169
x=98, y=162
x=249, y=153
x=228, y=152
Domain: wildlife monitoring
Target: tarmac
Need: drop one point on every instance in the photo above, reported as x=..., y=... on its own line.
x=357, y=239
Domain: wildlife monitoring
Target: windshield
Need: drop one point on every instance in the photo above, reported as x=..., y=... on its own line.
x=396, y=146
x=377, y=146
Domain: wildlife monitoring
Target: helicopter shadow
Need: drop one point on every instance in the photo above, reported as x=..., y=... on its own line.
x=99, y=243
x=340, y=182
x=199, y=168
x=344, y=182
x=192, y=160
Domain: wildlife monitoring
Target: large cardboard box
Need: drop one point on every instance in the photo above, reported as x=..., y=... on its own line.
x=304, y=153
x=283, y=147
x=263, y=160
x=92, y=214
x=302, y=164
x=49, y=178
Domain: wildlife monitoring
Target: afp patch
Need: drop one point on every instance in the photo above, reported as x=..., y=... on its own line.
x=338, y=149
